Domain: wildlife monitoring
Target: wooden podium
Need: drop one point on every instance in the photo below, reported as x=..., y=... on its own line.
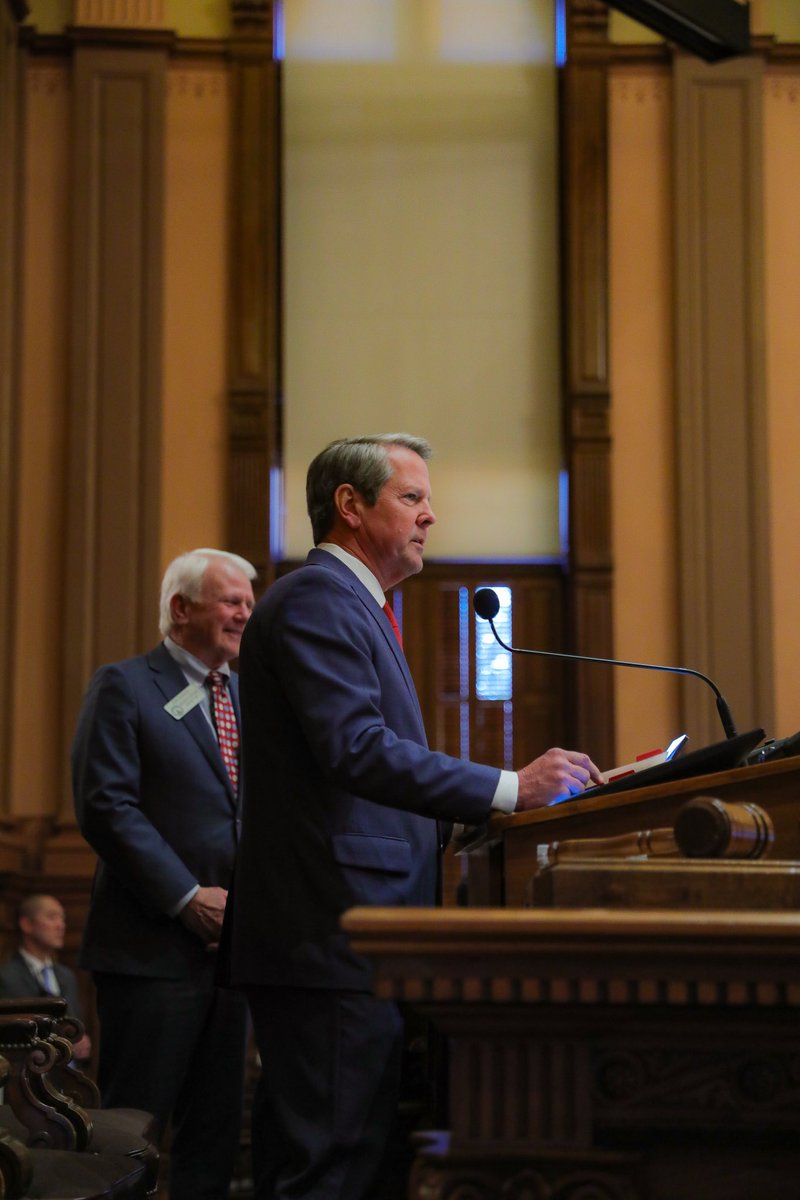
x=500, y=870
x=603, y=1053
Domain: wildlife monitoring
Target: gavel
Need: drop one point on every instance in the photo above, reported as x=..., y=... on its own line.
x=709, y=828
x=705, y=827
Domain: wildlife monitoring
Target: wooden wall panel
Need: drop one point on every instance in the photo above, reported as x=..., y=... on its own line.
x=113, y=552
x=722, y=459
x=439, y=637
x=254, y=398
x=587, y=386
x=10, y=16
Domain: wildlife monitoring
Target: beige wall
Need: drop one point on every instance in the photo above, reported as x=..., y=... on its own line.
x=195, y=276
x=643, y=482
x=421, y=255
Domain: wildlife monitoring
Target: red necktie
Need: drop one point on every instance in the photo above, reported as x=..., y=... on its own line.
x=387, y=608
x=225, y=723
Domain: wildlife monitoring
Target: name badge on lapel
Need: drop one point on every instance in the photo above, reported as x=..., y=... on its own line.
x=185, y=701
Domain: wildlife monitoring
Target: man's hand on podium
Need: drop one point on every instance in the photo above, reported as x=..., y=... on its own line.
x=556, y=775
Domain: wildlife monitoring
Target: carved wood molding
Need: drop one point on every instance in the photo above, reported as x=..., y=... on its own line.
x=695, y=1085
x=54, y=1120
x=253, y=18
x=587, y=387
x=254, y=400
x=583, y=957
x=587, y=23
x=568, y=989
x=601, y=1053
x=137, y=14
x=598, y=1176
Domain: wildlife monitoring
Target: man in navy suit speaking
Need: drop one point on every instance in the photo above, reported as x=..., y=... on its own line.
x=345, y=805
x=155, y=767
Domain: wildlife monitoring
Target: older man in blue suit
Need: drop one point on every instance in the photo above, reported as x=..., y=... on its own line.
x=155, y=776
x=345, y=804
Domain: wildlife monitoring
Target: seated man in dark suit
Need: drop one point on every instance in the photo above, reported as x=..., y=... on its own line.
x=33, y=969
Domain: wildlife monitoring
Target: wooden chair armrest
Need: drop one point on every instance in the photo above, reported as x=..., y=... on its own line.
x=52, y=1118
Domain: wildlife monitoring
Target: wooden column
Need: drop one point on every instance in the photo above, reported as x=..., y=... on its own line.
x=721, y=390
x=112, y=550
x=11, y=13
x=254, y=399
x=584, y=215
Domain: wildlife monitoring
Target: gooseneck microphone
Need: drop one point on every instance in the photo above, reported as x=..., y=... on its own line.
x=487, y=605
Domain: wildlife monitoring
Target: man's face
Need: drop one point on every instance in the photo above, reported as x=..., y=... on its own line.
x=392, y=532
x=211, y=628
x=43, y=932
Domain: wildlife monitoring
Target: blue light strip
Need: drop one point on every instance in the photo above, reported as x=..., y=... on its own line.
x=563, y=512
x=463, y=670
x=508, y=735
x=279, y=32
x=277, y=522
x=561, y=32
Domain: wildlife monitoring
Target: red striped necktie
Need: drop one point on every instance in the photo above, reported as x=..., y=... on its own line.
x=387, y=608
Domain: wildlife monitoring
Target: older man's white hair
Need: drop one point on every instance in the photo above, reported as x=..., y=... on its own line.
x=184, y=577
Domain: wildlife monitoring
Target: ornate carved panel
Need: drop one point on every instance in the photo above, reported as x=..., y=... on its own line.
x=603, y=1054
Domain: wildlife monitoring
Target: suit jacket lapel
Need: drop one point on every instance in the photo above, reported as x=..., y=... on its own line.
x=29, y=977
x=390, y=637
x=321, y=558
x=170, y=680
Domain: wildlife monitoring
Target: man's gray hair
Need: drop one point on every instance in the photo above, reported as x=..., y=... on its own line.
x=362, y=462
x=184, y=577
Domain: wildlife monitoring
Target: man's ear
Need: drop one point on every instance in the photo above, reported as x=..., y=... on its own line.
x=25, y=925
x=179, y=609
x=347, y=503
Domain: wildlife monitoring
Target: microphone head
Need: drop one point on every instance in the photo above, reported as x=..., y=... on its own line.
x=486, y=603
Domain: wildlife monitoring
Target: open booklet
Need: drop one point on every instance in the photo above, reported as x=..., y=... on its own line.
x=652, y=758
x=719, y=756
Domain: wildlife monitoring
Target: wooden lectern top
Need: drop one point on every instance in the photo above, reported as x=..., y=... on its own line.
x=774, y=786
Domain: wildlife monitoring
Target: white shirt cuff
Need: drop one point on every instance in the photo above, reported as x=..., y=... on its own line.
x=505, y=796
x=181, y=905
